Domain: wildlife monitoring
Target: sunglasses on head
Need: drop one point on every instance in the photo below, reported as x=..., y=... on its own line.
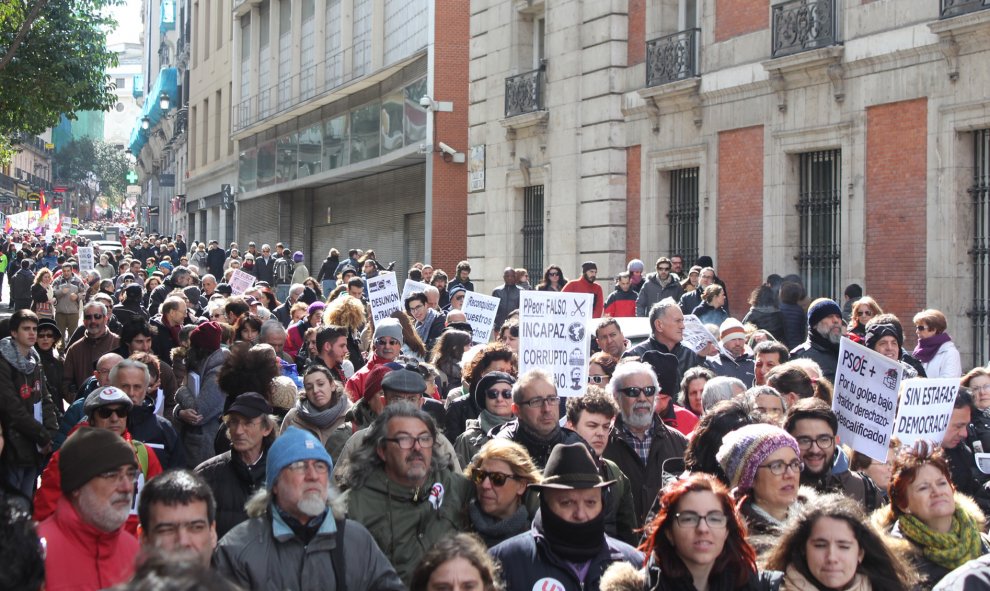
x=105, y=412
x=494, y=394
x=497, y=478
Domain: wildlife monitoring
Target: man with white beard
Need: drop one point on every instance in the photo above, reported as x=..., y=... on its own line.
x=640, y=442
x=297, y=536
x=87, y=546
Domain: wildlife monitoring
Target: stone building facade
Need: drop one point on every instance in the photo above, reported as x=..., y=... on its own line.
x=843, y=140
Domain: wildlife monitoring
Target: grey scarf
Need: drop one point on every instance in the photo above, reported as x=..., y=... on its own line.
x=322, y=419
x=423, y=330
x=489, y=421
x=25, y=365
x=495, y=530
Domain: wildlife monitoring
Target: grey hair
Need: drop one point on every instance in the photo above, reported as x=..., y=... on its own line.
x=659, y=310
x=755, y=391
x=210, y=275
x=626, y=370
x=364, y=459
x=269, y=328
x=130, y=364
x=526, y=379
x=718, y=389
x=257, y=504
x=430, y=290
x=297, y=289
x=94, y=304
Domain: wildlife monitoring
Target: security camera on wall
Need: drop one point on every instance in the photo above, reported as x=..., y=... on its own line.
x=450, y=154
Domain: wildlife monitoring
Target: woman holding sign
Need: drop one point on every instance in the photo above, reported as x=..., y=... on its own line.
x=943, y=529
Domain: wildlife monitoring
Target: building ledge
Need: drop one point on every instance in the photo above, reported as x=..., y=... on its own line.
x=806, y=60
x=518, y=122
x=804, y=68
x=961, y=34
x=673, y=96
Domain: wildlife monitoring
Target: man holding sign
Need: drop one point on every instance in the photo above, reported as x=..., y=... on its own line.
x=667, y=322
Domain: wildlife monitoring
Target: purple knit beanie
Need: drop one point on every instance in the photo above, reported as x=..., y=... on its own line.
x=744, y=449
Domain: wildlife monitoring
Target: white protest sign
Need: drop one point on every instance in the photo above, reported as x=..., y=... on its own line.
x=924, y=409
x=383, y=294
x=865, y=398
x=87, y=260
x=240, y=281
x=411, y=286
x=696, y=336
x=480, y=311
x=553, y=337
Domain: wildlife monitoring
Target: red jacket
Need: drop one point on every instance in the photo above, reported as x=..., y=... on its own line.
x=47, y=496
x=579, y=285
x=355, y=384
x=81, y=557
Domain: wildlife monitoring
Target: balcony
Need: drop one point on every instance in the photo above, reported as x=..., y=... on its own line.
x=672, y=57
x=803, y=25
x=524, y=93
x=951, y=8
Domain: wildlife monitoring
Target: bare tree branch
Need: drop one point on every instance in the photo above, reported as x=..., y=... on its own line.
x=22, y=33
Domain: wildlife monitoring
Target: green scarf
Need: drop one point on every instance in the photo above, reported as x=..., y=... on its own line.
x=949, y=550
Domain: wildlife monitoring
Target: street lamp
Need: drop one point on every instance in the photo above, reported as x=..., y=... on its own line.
x=145, y=123
x=163, y=101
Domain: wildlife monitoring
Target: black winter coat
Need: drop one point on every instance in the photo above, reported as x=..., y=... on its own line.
x=768, y=319
x=233, y=482
x=538, y=450
x=214, y=260
x=158, y=434
x=826, y=356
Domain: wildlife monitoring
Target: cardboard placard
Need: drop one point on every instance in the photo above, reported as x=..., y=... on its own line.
x=924, y=409
x=383, y=294
x=241, y=281
x=696, y=336
x=865, y=398
x=86, y=257
x=480, y=310
x=553, y=336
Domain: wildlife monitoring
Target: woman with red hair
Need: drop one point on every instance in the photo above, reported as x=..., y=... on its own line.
x=698, y=541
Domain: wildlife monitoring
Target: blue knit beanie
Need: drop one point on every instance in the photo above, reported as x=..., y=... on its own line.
x=293, y=446
x=820, y=309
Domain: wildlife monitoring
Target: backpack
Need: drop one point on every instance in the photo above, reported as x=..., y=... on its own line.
x=282, y=271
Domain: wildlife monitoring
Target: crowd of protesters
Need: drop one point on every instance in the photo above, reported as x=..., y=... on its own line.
x=157, y=427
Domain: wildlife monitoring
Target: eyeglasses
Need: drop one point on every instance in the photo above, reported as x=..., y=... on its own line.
x=46, y=335
x=494, y=394
x=714, y=520
x=634, y=392
x=540, y=402
x=983, y=388
x=408, y=441
x=822, y=441
x=778, y=467
x=317, y=466
x=382, y=342
x=105, y=412
x=92, y=316
x=418, y=308
x=497, y=478
x=864, y=313
x=597, y=379
x=553, y=274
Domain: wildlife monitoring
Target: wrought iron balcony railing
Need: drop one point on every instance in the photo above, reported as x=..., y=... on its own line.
x=524, y=93
x=672, y=57
x=951, y=8
x=803, y=25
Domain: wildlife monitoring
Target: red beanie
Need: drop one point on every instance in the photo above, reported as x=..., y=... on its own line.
x=206, y=336
x=373, y=384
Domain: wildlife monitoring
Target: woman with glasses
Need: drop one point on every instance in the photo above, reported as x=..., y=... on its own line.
x=553, y=279
x=762, y=467
x=500, y=471
x=863, y=310
x=52, y=364
x=831, y=546
x=769, y=402
x=943, y=530
x=601, y=366
x=493, y=395
x=935, y=350
x=697, y=541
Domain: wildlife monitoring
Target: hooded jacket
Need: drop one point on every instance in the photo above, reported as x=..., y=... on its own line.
x=81, y=556
x=23, y=388
x=652, y=292
x=264, y=553
x=407, y=522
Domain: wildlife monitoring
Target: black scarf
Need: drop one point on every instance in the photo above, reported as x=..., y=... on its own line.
x=823, y=342
x=574, y=542
x=304, y=531
x=539, y=448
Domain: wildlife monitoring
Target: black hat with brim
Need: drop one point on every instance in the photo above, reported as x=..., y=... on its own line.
x=569, y=467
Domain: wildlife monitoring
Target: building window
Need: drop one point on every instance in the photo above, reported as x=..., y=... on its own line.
x=682, y=219
x=819, y=204
x=533, y=230
x=979, y=193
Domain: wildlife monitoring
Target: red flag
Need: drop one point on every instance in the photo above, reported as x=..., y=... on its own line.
x=43, y=204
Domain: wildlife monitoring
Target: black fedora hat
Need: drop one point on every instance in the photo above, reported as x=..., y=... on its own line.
x=570, y=466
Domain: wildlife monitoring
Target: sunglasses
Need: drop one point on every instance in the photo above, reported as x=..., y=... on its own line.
x=93, y=317
x=494, y=394
x=597, y=379
x=634, y=392
x=497, y=478
x=105, y=412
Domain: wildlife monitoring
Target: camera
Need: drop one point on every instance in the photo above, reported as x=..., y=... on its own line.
x=446, y=149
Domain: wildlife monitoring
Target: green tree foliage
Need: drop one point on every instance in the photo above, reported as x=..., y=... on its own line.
x=53, y=59
x=94, y=168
